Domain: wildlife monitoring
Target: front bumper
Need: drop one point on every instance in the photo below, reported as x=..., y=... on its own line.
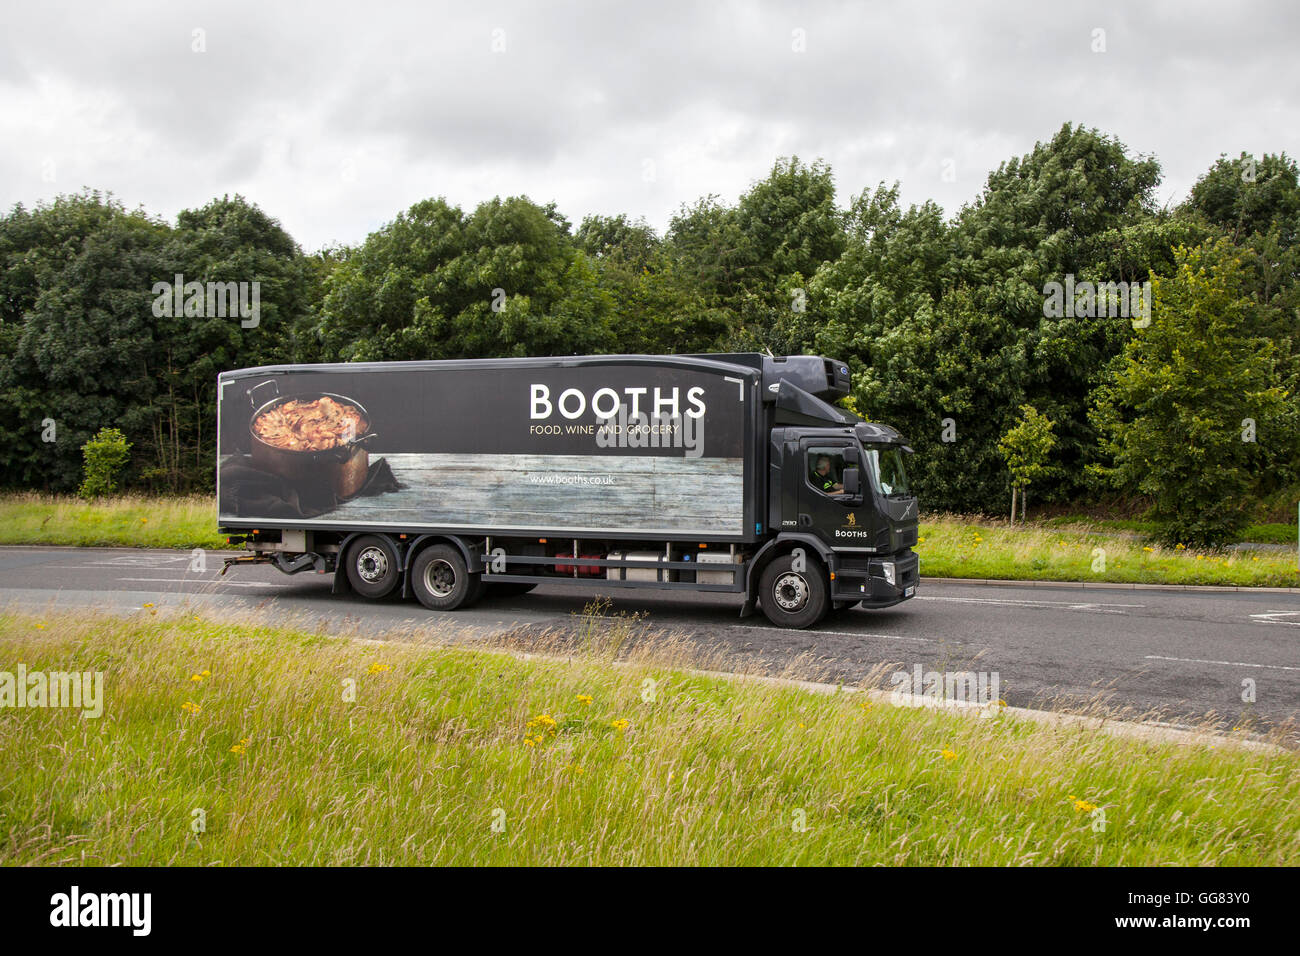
x=867, y=580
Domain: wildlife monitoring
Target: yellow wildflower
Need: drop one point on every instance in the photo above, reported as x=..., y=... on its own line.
x=949, y=754
x=191, y=707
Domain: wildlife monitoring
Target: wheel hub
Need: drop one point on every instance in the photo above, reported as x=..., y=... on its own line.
x=372, y=564
x=790, y=591
x=440, y=578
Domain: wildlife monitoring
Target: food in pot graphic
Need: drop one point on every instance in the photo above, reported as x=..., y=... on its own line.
x=311, y=439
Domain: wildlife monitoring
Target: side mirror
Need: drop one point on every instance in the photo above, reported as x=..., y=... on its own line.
x=852, y=483
x=851, y=456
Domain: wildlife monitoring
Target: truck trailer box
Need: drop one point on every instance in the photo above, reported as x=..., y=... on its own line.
x=604, y=446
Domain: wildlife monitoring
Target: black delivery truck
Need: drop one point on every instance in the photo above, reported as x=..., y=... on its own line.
x=451, y=479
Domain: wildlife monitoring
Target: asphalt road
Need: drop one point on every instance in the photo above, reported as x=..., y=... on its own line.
x=1169, y=655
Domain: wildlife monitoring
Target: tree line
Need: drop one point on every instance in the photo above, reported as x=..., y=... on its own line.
x=946, y=322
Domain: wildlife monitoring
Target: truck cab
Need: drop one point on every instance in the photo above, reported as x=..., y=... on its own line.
x=848, y=488
x=838, y=498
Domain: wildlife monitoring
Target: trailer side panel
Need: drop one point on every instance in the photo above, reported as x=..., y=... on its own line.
x=597, y=446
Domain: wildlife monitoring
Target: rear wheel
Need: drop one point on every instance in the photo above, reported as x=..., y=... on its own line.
x=372, y=566
x=441, y=581
x=793, y=598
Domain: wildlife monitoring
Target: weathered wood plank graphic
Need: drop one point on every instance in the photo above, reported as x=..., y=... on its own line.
x=557, y=492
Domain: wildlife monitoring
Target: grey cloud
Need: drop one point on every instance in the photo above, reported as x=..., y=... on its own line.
x=335, y=117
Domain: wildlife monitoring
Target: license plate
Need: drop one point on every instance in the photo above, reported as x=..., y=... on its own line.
x=909, y=591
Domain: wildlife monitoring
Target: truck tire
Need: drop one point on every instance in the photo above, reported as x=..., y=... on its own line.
x=372, y=566
x=793, y=598
x=441, y=581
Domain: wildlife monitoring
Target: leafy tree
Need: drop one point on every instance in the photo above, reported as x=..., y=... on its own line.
x=86, y=350
x=1195, y=402
x=895, y=266
x=226, y=241
x=941, y=378
x=616, y=239
x=789, y=223
x=106, y=455
x=1055, y=212
x=1246, y=197
x=505, y=280
x=1026, y=447
x=713, y=252
x=36, y=247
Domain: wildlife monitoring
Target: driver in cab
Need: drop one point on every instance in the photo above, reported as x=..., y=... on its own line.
x=823, y=477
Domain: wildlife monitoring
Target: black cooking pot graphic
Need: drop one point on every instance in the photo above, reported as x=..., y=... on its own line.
x=342, y=467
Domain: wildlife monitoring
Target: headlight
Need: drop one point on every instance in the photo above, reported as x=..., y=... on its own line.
x=888, y=568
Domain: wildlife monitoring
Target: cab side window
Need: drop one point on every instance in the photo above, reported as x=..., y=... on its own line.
x=826, y=470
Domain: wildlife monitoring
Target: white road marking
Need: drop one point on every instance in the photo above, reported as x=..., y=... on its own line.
x=143, y=561
x=1095, y=606
x=1197, y=660
x=229, y=584
x=120, y=567
x=883, y=637
x=1271, y=617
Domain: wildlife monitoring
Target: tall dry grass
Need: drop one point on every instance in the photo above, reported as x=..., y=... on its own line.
x=596, y=744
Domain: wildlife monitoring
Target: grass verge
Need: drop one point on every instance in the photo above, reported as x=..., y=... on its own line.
x=448, y=755
x=130, y=521
x=1267, y=533
x=965, y=548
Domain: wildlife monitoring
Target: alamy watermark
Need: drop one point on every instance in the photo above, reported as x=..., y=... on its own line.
x=1091, y=300
x=74, y=689
x=657, y=431
x=211, y=300
x=128, y=910
x=922, y=688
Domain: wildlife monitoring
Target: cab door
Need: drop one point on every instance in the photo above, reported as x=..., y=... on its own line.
x=825, y=507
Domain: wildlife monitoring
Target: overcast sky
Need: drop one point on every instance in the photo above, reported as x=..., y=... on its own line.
x=335, y=117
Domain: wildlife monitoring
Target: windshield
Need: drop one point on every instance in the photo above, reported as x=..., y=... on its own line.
x=885, y=466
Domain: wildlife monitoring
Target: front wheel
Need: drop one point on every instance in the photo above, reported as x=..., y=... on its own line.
x=441, y=581
x=793, y=598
